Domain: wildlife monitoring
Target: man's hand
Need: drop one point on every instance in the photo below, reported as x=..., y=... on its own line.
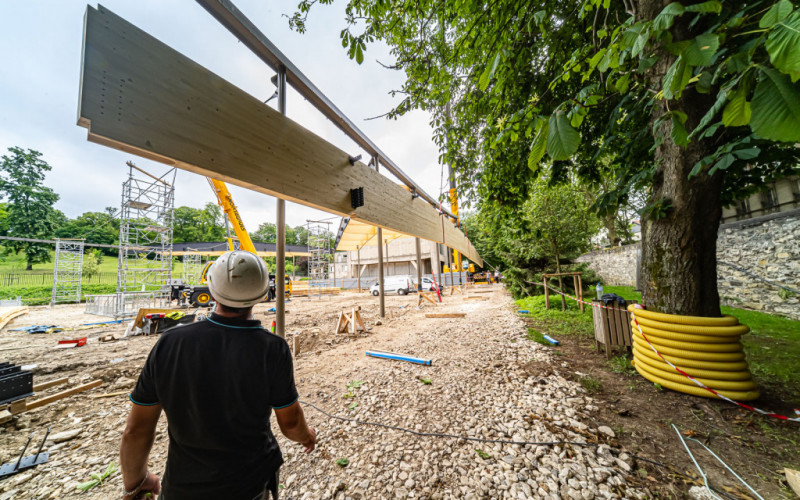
x=293, y=425
x=311, y=441
x=151, y=487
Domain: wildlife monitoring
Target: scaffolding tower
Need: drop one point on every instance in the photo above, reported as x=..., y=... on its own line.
x=319, y=249
x=191, y=268
x=67, y=271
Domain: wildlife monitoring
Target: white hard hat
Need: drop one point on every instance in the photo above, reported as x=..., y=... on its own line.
x=238, y=279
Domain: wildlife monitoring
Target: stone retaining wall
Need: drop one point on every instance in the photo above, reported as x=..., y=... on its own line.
x=767, y=246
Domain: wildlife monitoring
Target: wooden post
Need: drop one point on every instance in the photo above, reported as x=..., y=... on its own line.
x=334, y=270
x=546, y=293
x=358, y=267
x=382, y=301
x=580, y=292
x=419, y=266
x=294, y=269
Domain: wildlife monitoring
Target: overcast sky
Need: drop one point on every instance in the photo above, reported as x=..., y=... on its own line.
x=40, y=43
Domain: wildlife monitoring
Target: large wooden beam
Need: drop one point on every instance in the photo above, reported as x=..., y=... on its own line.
x=140, y=96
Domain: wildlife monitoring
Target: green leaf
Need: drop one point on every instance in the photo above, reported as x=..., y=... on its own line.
x=706, y=7
x=640, y=43
x=679, y=134
x=701, y=50
x=737, y=111
x=776, y=108
x=783, y=44
x=676, y=78
x=359, y=54
x=343, y=462
x=776, y=14
x=665, y=19
x=723, y=163
x=722, y=96
x=747, y=153
x=539, y=145
x=562, y=139
x=488, y=73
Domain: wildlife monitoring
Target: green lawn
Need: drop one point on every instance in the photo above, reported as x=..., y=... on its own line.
x=772, y=346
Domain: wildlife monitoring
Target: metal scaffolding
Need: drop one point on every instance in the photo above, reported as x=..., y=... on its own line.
x=67, y=271
x=145, y=245
x=191, y=268
x=319, y=249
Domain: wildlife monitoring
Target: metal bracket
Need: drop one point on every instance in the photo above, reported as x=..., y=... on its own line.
x=414, y=193
x=24, y=463
x=353, y=159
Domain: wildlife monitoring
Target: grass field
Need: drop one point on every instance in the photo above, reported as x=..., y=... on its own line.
x=772, y=346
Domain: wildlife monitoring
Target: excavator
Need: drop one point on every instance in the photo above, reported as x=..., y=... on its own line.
x=199, y=295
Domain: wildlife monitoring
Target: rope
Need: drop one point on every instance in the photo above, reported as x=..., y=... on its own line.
x=765, y=280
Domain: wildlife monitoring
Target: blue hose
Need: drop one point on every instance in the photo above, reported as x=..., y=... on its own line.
x=399, y=357
x=551, y=340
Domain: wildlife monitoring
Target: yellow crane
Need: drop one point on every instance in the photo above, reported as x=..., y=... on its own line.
x=199, y=296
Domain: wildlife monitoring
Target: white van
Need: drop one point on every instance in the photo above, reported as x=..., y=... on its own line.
x=394, y=284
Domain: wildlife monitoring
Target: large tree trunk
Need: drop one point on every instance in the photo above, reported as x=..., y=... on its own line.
x=679, y=270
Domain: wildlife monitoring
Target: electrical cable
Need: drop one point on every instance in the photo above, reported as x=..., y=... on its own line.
x=727, y=467
x=699, y=469
x=500, y=441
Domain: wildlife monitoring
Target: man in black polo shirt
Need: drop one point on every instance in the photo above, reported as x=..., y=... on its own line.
x=217, y=380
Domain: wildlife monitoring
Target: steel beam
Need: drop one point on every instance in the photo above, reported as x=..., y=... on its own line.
x=246, y=32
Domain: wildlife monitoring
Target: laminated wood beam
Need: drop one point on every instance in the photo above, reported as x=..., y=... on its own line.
x=140, y=96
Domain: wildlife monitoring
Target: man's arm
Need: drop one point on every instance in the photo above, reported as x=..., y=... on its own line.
x=292, y=422
x=137, y=440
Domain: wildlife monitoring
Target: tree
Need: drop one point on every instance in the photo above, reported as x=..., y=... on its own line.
x=30, y=203
x=513, y=85
x=559, y=219
x=266, y=233
x=195, y=225
x=94, y=227
x=91, y=263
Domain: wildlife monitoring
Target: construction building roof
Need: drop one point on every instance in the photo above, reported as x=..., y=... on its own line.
x=354, y=234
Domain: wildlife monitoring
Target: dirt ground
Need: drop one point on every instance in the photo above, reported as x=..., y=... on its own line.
x=475, y=357
x=756, y=447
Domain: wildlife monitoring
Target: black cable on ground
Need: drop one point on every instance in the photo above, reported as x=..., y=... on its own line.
x=501, y=441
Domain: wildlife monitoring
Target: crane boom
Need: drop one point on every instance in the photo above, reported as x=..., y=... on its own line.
x=225, y=201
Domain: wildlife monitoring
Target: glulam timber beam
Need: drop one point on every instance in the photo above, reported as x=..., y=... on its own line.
x=140, y=96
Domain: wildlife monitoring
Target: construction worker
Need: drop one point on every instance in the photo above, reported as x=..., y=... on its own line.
x=217, y=380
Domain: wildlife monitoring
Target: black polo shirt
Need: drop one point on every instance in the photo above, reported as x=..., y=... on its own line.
x=218, y=380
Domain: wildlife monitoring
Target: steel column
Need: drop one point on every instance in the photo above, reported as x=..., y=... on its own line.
x=419, y=266
x=280, y=244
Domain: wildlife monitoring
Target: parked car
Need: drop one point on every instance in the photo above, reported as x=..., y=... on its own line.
x=428, y=285
x=400, y=285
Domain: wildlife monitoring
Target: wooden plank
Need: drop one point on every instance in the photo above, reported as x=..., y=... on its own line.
x=63, y=394
x=445, y=315
x=476, y=298
x=142, y=97
x=49, y=384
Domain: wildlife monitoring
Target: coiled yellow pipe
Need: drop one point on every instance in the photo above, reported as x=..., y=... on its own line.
x=708, y=349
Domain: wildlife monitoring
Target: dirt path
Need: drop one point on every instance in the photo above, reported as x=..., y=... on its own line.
x=487, y=380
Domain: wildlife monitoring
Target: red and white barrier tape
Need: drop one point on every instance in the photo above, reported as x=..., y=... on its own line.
x=696, y=382
x=576, y=299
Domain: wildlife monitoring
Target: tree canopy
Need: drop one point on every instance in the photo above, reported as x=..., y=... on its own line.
x=695, y=102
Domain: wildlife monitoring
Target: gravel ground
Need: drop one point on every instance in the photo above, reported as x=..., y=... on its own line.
x=483, y=384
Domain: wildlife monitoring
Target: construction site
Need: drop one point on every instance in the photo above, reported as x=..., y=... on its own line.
x=429, y=366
